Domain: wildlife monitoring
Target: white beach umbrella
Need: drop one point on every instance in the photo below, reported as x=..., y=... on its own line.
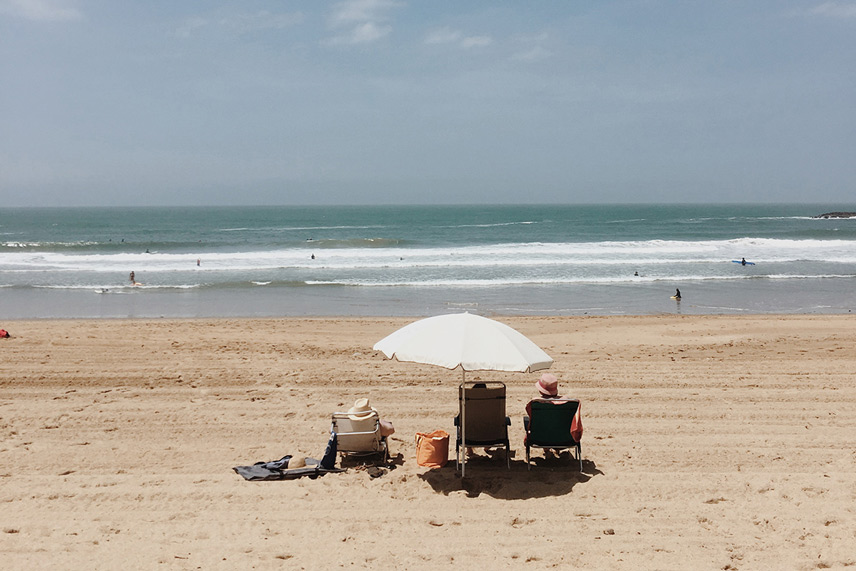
x=471, y=342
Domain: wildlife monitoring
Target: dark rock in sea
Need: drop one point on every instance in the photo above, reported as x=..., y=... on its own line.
x=837, y=215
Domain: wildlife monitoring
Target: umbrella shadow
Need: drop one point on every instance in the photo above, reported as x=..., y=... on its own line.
x=549, y=477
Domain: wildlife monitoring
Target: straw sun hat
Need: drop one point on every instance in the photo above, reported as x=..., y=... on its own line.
x=295, y=462
x=361, y=410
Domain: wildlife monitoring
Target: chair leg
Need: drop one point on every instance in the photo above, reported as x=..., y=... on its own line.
x=528, y=464
x=457, y=456
x=457, y=445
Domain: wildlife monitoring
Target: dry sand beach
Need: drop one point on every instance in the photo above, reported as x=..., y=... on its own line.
x=711, y=442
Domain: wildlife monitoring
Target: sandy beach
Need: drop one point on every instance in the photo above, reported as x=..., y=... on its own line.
x=711, y=442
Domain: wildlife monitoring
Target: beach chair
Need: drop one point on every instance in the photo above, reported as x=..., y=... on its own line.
x=486, y=423
x=550, y=426
x=359, y=437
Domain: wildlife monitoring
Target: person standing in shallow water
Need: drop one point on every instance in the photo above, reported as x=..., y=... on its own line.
x=677, y=293
x=133, y=281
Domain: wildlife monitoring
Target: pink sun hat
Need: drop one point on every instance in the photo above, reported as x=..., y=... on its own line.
x=548, y=385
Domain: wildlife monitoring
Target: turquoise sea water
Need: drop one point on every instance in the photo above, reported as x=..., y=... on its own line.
x=422, y=260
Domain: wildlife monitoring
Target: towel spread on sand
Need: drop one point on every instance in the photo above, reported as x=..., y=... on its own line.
x=279, y=470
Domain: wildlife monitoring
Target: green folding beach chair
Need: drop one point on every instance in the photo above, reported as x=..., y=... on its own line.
x=549, y=427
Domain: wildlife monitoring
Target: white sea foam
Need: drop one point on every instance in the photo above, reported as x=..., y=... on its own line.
x=522, y=255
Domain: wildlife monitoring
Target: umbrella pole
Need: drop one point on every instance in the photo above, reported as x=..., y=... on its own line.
x=463, y=421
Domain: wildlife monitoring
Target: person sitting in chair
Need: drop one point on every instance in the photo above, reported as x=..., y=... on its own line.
x=548, y=389
x=362, y=411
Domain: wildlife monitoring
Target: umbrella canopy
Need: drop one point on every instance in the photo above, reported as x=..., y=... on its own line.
x=464, y=340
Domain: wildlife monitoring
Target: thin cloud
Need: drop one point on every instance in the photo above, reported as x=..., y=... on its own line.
x=361, y=21
x=448, y=36
x=242, y=23
x=190, y=25
x=356, y=11
x=41, y=10
x=532, y=55
x=836, y=10
x=476, y=41
x=532, y=49
x=443, y=36
x=262, y=20
x=368, y=32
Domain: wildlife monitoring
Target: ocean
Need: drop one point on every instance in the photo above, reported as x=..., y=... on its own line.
x=425, y=260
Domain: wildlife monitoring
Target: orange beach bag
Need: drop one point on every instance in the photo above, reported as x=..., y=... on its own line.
x=432, y=448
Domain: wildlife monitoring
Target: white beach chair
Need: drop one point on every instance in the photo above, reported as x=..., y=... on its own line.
x=359, y=437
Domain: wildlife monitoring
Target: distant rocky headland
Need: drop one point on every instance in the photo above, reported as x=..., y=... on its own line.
x=837, y=215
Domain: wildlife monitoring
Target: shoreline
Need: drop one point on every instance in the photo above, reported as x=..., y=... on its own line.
x=820, y=296
x=710, y=441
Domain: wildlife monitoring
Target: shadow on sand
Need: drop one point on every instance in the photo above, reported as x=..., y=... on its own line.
x=548, y=477
x=372, y=464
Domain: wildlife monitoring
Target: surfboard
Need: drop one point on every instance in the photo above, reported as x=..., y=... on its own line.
x=741, y=261
x=675, y=297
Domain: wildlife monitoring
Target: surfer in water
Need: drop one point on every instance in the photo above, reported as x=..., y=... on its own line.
x=742, y=262
x=133, y=281
x=677, y=294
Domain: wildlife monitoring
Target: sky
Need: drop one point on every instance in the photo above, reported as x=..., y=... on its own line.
x=118, y=102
